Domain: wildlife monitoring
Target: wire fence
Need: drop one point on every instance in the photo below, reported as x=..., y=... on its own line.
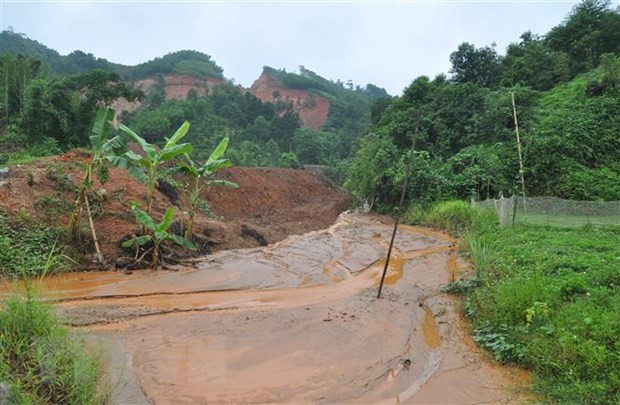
x=553, y=211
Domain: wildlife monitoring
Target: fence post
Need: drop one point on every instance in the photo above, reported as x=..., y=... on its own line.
x=514, y=200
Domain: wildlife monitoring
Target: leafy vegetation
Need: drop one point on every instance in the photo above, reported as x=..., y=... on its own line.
x=198, y=174
x=550, y=303
x=102, y=148
x=545, y=298
x=149, y=169
x=567, y=105
x=156, y=234
x=26, y=248
x=41, y=361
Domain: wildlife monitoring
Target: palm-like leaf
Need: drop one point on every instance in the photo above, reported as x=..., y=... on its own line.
x=213, y=166
x=150, y=150
x=140, y=240
x=101, y=127
x=143, y=218
x=219, y=151
x=179, y=240
x=170, y=152
x=178, y=135
x=223, y=183
x=167, y=221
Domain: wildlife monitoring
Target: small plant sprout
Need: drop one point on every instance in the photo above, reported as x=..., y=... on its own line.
x=103, y=148
x=157, y=233
x=198, y=175
x=149, y=169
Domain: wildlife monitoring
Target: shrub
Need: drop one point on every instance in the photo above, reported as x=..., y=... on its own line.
x=457, y=217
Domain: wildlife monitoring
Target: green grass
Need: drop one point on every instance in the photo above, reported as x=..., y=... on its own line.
x=41, y=361
x=457, y=217
x=551, y=302
x=26, y=248
x=569, y=221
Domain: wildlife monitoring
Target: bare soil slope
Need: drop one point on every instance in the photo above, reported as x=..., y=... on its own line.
x=270, y=202
x=312, y=109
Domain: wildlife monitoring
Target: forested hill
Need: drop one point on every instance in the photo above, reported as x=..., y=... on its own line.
x=284, y=119
x=566, y=86
x=191, y=63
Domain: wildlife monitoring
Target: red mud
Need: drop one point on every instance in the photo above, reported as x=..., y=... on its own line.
x=294, y=322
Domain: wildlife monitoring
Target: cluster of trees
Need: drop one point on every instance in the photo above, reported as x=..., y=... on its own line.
x=37, y=108
x=259, y=132
x=575, y=46
x=567, y=97
x=155, y=165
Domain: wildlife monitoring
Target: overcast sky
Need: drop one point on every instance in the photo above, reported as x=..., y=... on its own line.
x=387, y=44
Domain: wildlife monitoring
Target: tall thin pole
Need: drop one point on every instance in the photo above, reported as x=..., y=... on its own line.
x=521, y=170
x=403, y=191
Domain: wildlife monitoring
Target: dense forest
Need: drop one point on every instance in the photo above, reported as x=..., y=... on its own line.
x=566, y=86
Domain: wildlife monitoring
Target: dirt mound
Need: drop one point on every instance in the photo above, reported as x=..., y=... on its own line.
x=273, y=203
x=311, y=108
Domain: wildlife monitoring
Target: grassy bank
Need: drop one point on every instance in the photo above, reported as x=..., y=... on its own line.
x=546, y=298
x=41, y=361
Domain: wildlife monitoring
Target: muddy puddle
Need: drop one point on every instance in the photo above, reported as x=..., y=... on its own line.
x=294, y=322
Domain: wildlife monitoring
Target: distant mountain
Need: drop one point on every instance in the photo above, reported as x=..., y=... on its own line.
x=190, y=63
x=75, y=62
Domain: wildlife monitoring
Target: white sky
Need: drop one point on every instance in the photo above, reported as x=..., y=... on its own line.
x=387, y=44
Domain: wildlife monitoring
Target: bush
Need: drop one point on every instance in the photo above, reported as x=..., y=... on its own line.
x=40, y=361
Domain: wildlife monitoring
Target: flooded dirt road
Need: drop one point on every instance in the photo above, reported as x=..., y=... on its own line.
x=294, y=322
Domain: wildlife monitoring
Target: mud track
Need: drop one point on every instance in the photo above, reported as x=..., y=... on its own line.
x=293, y=322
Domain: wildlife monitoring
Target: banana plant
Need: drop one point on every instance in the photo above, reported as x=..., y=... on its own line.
x=157, y=233
x=199, y=174
x=149, y=169
x=102, y=148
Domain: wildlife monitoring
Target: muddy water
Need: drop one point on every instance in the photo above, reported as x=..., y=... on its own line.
x=297, y=321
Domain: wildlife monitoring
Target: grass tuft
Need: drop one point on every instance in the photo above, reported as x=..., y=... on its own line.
x=41, y=361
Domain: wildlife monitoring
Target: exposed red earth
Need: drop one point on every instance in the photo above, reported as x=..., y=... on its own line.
x=273, y=202
x=312, y=109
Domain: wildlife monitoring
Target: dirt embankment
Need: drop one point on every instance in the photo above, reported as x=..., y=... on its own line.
x=269, y=205
x=312, y=109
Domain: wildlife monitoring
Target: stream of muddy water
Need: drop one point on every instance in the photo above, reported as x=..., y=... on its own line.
x=293, y=322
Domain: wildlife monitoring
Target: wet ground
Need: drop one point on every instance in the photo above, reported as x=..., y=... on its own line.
x=297, y=321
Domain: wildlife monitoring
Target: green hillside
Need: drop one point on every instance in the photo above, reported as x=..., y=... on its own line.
x=568, y=106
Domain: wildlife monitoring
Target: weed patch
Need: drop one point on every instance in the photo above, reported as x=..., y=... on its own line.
x=26, y=249
x=41, y=361
x=550, y=302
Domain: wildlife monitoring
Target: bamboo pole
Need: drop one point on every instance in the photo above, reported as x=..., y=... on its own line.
x=98, y=255
x=398, y=212
x=521, y=170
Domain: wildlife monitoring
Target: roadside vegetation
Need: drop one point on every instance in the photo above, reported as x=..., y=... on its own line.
x=42, y=361
x=545, y=298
